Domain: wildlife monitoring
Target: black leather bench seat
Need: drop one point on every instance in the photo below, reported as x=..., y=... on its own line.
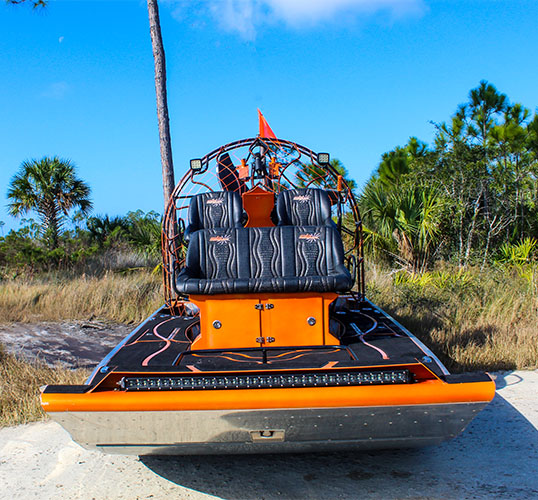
x=265, y=259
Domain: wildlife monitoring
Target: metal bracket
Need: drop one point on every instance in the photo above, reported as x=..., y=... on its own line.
x=267, y=435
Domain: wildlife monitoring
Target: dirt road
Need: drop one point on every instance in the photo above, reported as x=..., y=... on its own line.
x=496, y=457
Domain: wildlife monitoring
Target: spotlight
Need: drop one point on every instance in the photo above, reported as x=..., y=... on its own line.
x=196, y=165
x=324, y=158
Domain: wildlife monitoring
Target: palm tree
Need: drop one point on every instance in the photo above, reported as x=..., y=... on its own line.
x=144, y=232
x=103, y=229
x=50, y=187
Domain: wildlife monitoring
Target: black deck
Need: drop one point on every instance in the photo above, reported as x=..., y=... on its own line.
x=370, y=338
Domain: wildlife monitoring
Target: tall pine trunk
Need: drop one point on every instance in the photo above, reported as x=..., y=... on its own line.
x=470, y=234
x=162, y=100
x=164, y=131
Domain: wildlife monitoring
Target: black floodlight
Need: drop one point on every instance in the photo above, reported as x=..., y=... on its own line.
x=324, y=158
x=196, y=165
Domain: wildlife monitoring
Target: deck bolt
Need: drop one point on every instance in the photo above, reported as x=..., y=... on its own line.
x=311, y=321
x=217, y=324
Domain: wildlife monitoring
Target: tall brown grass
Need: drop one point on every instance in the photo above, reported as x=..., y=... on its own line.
x=19, y=387
x=117, y=297
x=472, y=320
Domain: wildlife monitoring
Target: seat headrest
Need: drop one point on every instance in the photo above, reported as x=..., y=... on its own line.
x=303, y=207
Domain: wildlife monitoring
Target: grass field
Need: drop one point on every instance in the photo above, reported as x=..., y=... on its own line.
x=471, y=320
x=116, y=297
x=19, y=387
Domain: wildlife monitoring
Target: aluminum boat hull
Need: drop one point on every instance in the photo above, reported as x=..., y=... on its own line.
x=268, y=430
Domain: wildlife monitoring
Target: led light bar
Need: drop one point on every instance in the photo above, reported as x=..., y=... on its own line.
x=265, y=381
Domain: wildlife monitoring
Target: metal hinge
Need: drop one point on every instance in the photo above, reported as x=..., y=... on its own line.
x=263, y=340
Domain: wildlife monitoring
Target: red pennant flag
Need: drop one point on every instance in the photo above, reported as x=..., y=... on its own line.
x=265, y=129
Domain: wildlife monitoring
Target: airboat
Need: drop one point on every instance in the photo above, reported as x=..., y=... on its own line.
x=266, y=341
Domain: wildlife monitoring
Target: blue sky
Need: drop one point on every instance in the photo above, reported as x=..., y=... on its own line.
x=352, y=77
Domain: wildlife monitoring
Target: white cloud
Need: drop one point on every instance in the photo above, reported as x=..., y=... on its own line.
x=298, y=11
x=61, y=39
x=237, y=15
x=248, y=16
x=56, y=90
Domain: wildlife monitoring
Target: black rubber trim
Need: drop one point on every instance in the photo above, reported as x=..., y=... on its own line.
x=66, y=389
x=464, y=378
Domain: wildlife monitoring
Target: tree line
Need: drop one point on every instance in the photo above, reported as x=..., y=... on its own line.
x=470, y=197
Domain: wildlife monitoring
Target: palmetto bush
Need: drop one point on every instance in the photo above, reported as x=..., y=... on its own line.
x=403, y=224
x=518, y=253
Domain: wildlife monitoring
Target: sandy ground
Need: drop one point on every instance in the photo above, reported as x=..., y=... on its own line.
x=496, y=457
x=75, y=344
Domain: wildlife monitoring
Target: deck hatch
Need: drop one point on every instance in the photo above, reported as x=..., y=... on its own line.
x=266, y=381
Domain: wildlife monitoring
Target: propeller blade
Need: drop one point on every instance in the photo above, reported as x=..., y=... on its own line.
x=228, y=175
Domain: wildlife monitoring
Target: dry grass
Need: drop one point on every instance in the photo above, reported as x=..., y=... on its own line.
x=122, y=298
x=19, y=387
x=472, y=321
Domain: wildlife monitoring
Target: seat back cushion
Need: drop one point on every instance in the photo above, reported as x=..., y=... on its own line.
x=303, y=207
x=214, y=210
